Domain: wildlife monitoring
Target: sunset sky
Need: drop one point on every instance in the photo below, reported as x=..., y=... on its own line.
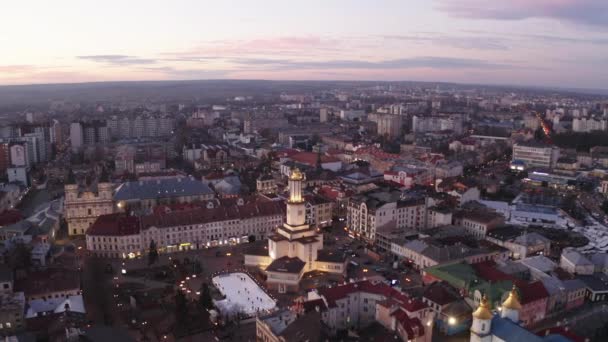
x=561, y=43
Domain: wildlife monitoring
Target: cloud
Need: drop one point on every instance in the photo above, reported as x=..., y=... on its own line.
x=16, y=69
x=585, y=12
x=118, y=60
x=284, y=45
x=568, y=40
x=460, y=42
x=402, y=63
x=180, y=74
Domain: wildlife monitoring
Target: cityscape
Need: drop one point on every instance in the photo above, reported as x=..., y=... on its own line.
x=420, y=171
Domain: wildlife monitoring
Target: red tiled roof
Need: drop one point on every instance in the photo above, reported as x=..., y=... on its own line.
x=48, y=281
x=561, y=331
x=409, y=324
x=117, y=224
x=439, y=293
x=378, y=153
x=333, y=294
x=9, y=217
x=310, y=158
x=531, y=292
x=487, y=270
x=223, y=212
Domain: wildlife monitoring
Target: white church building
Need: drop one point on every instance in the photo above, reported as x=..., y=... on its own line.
x=504, y=325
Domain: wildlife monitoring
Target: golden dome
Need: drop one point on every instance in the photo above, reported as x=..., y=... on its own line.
x=483, y=310
x=296, y=175
x=512, y=302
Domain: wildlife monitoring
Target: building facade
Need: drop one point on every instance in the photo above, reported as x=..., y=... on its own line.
x=82, y=207
x=217, y=223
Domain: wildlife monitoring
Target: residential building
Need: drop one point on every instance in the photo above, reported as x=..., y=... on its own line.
x=572, y=261
x=368, y=211
x=478, y=222
x=266, y=184
x=389, y=125
x=76, y=136
x=357, y=305
x=287, y=326
x=319, y=211
x=536, y=155
x=521, y=243
x=423, y=253
x=423, y=124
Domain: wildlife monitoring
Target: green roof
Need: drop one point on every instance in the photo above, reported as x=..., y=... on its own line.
x=460, y=275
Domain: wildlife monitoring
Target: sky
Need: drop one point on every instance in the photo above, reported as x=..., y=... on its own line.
x=557, y=43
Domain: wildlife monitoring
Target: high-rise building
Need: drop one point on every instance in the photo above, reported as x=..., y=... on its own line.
x=76, y=136
x=323, y=115
x=389, y=125
x=422, y=124
x=140, y=126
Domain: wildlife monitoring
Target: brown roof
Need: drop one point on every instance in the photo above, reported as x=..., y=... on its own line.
x=327, y=256
x=286, y=265
x=117, y=224
x=220, y=213
x=48, y=281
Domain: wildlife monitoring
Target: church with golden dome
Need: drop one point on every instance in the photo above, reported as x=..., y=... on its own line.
x=295, y=248
x=503, y=324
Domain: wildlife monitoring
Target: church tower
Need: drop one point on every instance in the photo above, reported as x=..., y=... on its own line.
x=482, y=322
x=511, y=306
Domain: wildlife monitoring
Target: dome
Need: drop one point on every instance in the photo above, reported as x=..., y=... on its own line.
x=483, y=310
x=512, y=302
x=296, y=175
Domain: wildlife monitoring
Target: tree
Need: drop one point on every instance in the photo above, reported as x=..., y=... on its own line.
x=152, y=253
x=204, y=299
x=181, y=307
x=20, y=257
x=539, y=134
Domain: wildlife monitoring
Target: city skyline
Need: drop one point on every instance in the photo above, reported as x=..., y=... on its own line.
x=555, y=43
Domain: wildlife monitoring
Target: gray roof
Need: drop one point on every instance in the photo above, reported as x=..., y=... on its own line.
x=171, y=187
x=531, y=239
x=600, y=259
x=576, y=258
x=539, y=262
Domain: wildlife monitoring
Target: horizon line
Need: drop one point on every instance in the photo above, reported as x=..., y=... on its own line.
x=504, y=85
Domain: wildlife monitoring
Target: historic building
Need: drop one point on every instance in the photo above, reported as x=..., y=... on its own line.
x=504, y=325
x=185, y=227
x=84, y=205
x=296, y=247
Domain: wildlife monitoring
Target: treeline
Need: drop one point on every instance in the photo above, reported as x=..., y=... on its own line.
x=581, y=141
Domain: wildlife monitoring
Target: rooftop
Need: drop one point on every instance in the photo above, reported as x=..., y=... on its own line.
x=117, y=224
x=160, y=188
x=286, y=265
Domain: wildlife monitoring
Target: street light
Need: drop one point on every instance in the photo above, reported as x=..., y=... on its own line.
x=451, y=321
